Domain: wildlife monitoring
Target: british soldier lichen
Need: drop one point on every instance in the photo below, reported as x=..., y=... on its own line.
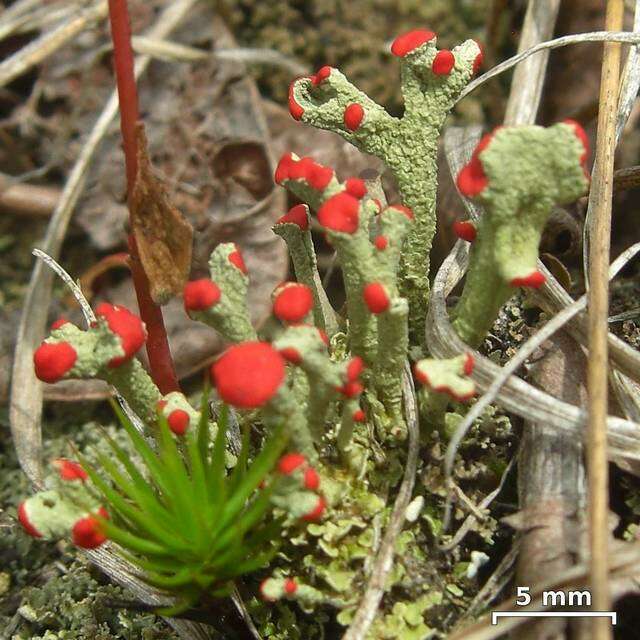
x=518, y=174
x=324, y=387
x=431, y=81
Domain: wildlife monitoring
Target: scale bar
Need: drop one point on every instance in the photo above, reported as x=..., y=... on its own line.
x=554, y=614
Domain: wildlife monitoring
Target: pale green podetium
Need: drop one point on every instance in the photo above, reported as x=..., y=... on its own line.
x=96, y=347
x=528, y=169
x=230, y=315
x=408, y=145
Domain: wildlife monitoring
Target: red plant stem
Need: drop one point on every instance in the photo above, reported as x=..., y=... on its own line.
x=160, y=360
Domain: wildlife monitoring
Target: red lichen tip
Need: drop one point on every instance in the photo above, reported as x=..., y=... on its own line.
x=420, y=375
x=315, y=174
x=351, y=389
x=321, y=75
x=69, y=470
x=60, y=322
x=289, y=462
x=353, y=115
x=340, y=213
x=178, y=421
x=465, y=230
x=457, y=397
x=359, y=416
x=127, y=326
x=399, y=208
x=292, y=302
x=290, y=586
x=443, y=63
x=283, y=168
x=295, y=109
x=160, y=405
x=477, y=63
x=249, y=374
x=52, y=360
x=24, y=521
x=381, y=243
x=581, y=134
x=87, y=532
x=472, y=179
x=355, y=187
x=354, y=368
x=311, y=479
x=407, y=42
x=296, y=215
x=200, y=295
x=291, y=355
x=316, y=512
x=469, y=364
x=236, y=259
x=376, y=298
x=534, y=280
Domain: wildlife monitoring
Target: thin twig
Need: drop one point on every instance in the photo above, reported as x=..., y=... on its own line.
x=27, y=199
x=627, y=37
x=598, y=302
x=627, y=178
x=26, y=396
x=470, y=520
x=368, y=607
x=625, y=561
x=630, y=82
x=494, y=584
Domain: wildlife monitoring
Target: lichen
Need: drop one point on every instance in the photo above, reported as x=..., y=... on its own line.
x=518, y=174
x=407, y=145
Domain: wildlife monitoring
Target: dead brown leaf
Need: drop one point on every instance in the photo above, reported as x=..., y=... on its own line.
x=161, y=232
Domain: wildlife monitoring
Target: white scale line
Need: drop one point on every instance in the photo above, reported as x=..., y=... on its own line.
x=554, y=614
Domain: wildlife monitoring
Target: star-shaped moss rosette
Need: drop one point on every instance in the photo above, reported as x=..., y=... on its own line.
x=190, y=525
x=518, y=174
x=431, y=81
x=369, y=243
x=106, y=351
x=450, y=376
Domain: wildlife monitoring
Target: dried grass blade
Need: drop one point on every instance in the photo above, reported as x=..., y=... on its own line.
x=528, y=77
x=600, y=202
